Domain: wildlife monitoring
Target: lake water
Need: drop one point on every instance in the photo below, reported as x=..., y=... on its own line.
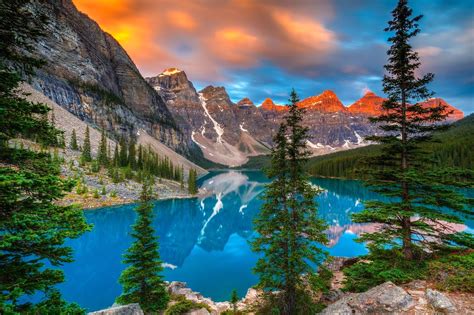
x=203, y=242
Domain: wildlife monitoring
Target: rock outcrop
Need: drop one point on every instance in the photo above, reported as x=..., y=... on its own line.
x=386, y=298
x=88, y=73
x=129, y=309
x=440, y=302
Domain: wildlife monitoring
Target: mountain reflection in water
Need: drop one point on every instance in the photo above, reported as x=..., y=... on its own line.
x=203, y=241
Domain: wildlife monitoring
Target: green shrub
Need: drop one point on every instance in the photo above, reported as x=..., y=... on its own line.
x=96, y=194
x=382, y=266
x=113, y=194
x=184, y=306
x=453, y=272
x=103, y=192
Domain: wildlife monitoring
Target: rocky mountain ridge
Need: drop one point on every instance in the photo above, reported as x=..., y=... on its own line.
x=88, y=73
x=228, y=133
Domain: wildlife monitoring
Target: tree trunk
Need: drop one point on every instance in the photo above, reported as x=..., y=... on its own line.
x=406, y=222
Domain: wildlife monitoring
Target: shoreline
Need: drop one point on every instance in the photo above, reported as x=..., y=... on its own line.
x=91, y=203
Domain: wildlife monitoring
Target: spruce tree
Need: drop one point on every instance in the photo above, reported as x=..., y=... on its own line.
x=102, y=157
x=288, y=228
x=86, y=147
x=116, y=158
x=421, y=197
x=234, y=298
x=142, y=281
x=181, y=178
x=123, y=158
x=140, y=157
x=33, y=227
x=73, y=145
x=132, y=154
x=192, y=182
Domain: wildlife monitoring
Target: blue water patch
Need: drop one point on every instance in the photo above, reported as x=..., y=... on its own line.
x=203, y=241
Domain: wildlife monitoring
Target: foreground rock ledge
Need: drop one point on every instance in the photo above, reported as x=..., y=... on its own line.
x=410, y=299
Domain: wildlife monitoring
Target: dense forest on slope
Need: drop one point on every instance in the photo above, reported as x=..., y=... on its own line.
x=454, y=147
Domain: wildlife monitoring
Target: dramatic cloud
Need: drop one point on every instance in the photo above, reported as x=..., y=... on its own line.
x=263, y=48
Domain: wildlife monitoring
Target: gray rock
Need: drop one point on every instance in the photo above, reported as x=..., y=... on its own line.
x=440, y=302
x=130, y=309
x=384, y=298
x=201, y=311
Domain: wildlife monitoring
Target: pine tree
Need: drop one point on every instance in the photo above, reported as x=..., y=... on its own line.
x=116, y=158
x=33, y=227
x=289, y=230
x=86, y=147
x=192, y=184
x=73, y=145
x=140, y=157
x=142, y=281
x=421, y=201
x=181, y=178
x=234, y=298
x=102, y=157
x=132, y=154
x=123, y=158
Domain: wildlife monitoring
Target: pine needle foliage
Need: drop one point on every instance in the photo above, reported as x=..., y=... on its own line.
x=289, y=230
x=422, y=200
x=142, y=280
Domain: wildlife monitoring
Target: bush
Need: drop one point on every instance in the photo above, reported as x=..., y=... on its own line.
x=113, y=194
x=380, y=267
x=96, y=194
x=104, y=191
x=453, y=272
x=184, y=306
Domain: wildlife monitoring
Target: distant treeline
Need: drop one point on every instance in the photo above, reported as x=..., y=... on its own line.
x=452, y=148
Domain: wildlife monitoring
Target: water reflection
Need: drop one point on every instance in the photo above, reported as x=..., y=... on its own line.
x=203, y=242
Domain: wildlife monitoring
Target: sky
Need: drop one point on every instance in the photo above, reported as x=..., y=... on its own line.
x=263, y=48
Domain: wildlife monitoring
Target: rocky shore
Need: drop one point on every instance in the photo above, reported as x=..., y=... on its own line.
x=415, y=298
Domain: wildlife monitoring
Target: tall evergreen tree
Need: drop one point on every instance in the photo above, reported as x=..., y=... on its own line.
x=289, y=230
x=123, y=157
x=102, y=157
x=192, y=182
x=73, y=145
x=86, y=147
x=142, y=281
x=420, y=200
x=33, y=228
x=132, y=154
x=116, y=158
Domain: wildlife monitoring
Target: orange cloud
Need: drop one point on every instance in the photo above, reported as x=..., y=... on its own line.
x=182, y=20
x=159, y=34
x=235, y=46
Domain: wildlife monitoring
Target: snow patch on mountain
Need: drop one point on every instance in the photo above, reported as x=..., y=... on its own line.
x=242, y=128
x=217, y=127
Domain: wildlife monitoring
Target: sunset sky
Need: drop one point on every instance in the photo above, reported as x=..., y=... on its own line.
x=262, y=48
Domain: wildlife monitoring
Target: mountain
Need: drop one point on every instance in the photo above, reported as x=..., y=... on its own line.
x=327, y=102
x=452, y=148
x=371, y=105
x=225, y=132
x=230, y=133
x=454, y=113
x=89, y=74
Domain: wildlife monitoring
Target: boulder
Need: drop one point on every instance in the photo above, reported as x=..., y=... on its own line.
x=384, y=298
x=440, y=302
x=201, y=311
x=129, y=309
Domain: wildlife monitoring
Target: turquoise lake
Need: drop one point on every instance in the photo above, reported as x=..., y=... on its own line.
x=203, y=241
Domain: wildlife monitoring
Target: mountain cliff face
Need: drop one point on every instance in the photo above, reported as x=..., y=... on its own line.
x=228, y=133
x=88, y=73
x=371, y=105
